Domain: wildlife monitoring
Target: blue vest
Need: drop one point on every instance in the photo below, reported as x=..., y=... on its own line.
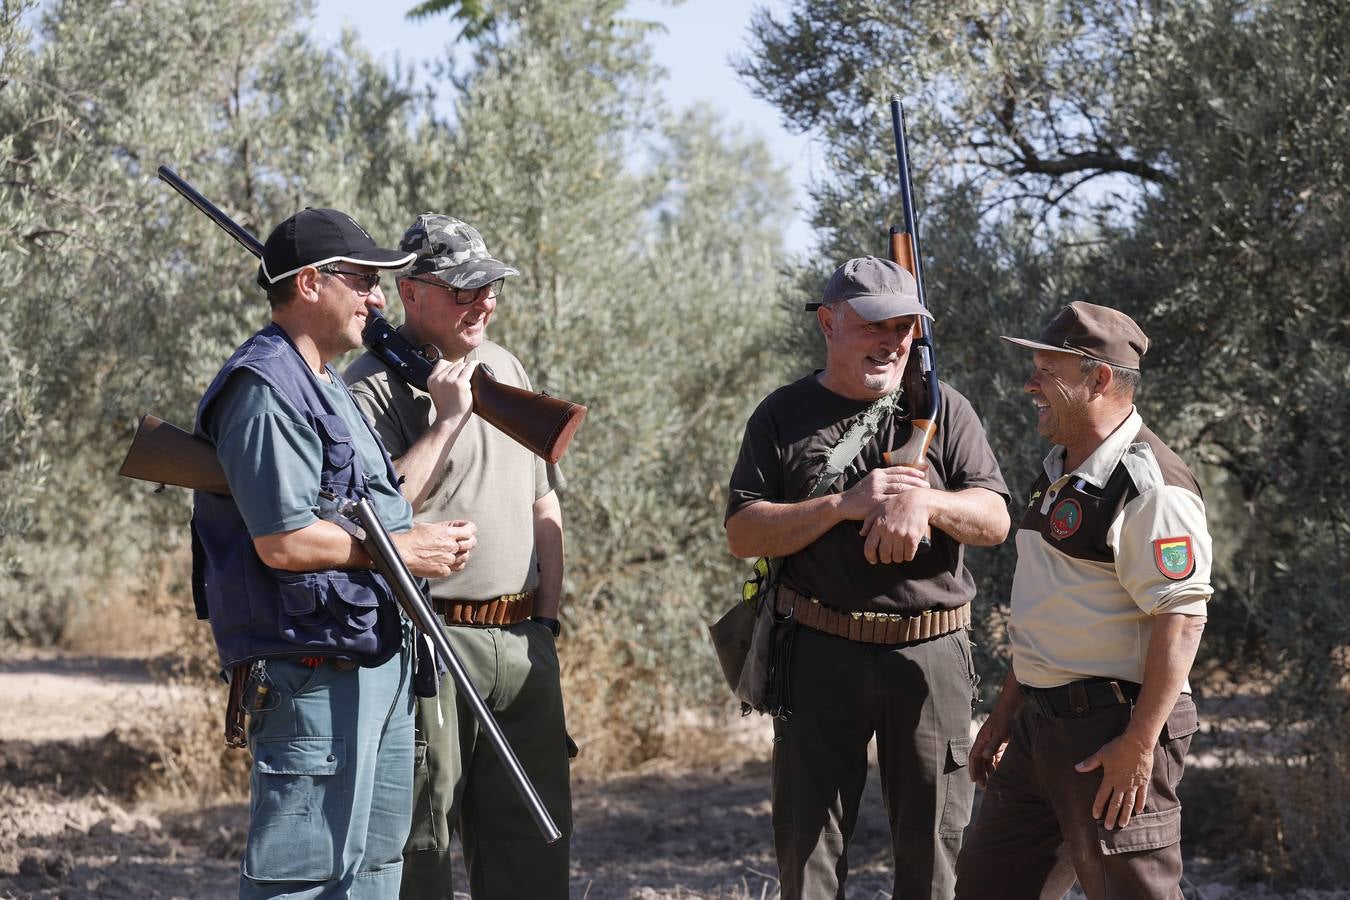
x=257, y=611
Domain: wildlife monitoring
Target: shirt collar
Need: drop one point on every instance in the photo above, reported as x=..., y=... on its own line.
x=1097, y=468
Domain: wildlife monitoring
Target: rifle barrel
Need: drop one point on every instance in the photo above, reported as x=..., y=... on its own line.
x=381, y=549
x=213, y=212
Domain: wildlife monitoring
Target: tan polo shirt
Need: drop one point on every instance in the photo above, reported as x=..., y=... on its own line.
x=1101, y=551
x=489, y=479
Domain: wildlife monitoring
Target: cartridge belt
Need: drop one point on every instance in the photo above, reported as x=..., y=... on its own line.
x=507, y=609
x=870, y=627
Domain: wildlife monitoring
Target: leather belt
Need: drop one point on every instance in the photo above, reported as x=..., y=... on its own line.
x=1078, y=698
x=870, y=627
x=507, y=609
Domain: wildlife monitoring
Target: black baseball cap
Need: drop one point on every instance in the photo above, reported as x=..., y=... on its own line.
x=317, y=237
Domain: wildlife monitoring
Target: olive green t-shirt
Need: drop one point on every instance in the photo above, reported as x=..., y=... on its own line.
x=785, y=445
x=488, y=479
x=273, y=459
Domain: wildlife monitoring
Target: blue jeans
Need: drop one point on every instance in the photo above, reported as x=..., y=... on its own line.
x=331, y=787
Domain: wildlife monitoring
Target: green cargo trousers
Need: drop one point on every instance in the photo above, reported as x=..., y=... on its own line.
x=459, y=784
x=916, y=699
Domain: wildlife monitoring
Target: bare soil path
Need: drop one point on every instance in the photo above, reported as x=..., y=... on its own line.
x=75, y=821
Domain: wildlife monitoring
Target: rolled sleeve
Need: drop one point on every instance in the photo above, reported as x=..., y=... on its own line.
x=1164, y=553
x=271, y=458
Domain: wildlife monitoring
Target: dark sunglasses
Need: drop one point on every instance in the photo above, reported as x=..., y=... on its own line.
x=361, y=282
x=490, y=291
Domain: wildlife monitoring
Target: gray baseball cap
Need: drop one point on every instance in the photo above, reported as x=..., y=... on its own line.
x=452, y=251
x=877, y=289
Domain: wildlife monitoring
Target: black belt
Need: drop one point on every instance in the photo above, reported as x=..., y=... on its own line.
x=1078, y=698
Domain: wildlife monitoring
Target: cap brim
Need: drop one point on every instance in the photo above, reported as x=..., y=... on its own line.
x=378, y=257
x=877, y=307
x=475, y=273
x=1037, y=345
x=381, y=258
x=880, y=307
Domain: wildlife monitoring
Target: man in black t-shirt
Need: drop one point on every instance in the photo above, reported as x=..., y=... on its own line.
x=884, y=648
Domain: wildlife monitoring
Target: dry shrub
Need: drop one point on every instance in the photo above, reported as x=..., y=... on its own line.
x=627, y=709
x=183, y=740
x=1310, y=794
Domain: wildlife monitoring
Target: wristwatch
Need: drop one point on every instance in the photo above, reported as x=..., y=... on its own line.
x=551, y=624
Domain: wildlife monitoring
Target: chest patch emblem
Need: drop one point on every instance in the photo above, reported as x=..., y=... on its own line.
x=1174, y=556
x=1065, y=519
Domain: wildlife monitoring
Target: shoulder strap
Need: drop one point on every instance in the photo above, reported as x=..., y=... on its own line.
x=851, y=442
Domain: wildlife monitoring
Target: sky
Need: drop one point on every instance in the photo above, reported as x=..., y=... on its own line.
x=701, y=35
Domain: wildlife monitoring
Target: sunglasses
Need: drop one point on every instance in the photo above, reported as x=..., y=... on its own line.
x=361, y=282
x=490, y=291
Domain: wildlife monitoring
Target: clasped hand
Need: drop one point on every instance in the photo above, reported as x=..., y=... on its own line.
x=436, y=549
x=892, y=503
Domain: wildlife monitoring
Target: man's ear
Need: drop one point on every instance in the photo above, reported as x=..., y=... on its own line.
x=405, y=291
x=1103, y=380
x=825, y=318
x=307, y=284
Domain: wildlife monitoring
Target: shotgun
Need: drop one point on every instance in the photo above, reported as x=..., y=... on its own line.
x=543, y=424
x=920, y=378
x=166, y=454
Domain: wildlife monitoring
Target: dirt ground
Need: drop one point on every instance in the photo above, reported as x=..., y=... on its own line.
x=75, y=820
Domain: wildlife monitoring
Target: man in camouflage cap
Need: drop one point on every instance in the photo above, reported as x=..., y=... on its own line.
x=502, y=610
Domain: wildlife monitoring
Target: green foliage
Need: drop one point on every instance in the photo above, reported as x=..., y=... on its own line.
x=648, y=242
x=648, y=247
x=1185, y=162
x=123, y=298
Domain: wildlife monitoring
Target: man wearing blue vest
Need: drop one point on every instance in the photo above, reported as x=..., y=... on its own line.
x=292, y=593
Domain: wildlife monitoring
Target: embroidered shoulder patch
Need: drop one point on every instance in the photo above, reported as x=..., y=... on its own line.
x=1065, y=519
x=1174, y=556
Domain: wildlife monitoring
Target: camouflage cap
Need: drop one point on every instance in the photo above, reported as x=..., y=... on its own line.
x=452, y=251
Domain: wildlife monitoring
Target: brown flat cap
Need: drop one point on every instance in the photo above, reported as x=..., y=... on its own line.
x=1097, y=332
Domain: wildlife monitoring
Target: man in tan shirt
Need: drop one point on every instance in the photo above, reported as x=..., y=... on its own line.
x=1082, y=755
x=501, y=611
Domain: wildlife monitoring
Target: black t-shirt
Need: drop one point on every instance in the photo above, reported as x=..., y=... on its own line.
x=786, y=443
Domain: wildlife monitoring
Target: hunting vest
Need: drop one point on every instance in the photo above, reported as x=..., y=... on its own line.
x=259, y=612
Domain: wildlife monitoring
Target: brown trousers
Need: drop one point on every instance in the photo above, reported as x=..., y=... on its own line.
x=916, y=700
x=1039, y=808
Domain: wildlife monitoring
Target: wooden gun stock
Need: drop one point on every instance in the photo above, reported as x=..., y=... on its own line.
x=912, y=452
x=163, y=453
x=542, y=424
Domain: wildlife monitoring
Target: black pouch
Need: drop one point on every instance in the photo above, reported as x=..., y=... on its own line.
x=778, y=690
x=427, y=669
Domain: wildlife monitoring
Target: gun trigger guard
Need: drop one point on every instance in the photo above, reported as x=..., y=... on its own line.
x=431, y=352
